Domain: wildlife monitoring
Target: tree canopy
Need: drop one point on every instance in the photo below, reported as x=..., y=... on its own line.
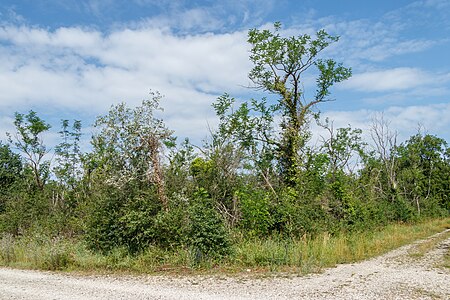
x=256, y=177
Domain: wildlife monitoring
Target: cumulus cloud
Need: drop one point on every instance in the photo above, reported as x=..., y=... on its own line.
x=84, y=70
x=6, y=125
x=388, y=80
x=191, y=56
x=413, y=28
x=433, y=118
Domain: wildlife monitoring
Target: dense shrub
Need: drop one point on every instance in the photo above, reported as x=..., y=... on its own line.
x=170, y=227
x=207, y=234
x=121, y=218
x=294, y=216
x=255, y=206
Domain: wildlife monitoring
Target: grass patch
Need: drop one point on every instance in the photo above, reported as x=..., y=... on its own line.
x=423, y=248
x=446, y=263
x=309, y=255
x=258, y=256
x=422, y=293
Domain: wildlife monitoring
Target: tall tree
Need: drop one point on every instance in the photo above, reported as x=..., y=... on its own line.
x=129, y=143
x=10, y=167
x=28, y=140
x=342, y=148
x=68, y=154
x=423, y=170
x=279, y=66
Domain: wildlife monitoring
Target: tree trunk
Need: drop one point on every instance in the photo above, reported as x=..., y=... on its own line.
x=157, y=174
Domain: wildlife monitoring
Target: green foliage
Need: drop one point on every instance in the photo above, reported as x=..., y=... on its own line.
x=136, y=223
x=314, y=178
x=28, y=140
x=126, y=139
x=255, y=206
x=423, y=169
x=350, y=212
x=170, y=228
x=25, y=209
x=402, y=210
x=10, y=173
x=259, y=177
x=102, y=228
x=200, y=168
x=128, y=146
x=342, y=148
x=296, y=217
x=207, y=234
x=68, y=155
x=180, y=170
x=250, y=125
x=218, y=175
x=278, y=66
x=121, y=218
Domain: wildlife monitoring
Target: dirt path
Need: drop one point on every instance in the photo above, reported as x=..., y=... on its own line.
x=395, y=275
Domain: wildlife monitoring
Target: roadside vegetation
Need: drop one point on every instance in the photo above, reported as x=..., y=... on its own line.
x=423, y=248
x=252, y=256
x=256, y=195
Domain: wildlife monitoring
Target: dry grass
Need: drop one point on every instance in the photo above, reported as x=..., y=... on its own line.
x=423, y=248
x=446, y=263
x=310, y=255
x=300, y=256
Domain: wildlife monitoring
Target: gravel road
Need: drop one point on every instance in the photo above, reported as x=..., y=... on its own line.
x=395, y=275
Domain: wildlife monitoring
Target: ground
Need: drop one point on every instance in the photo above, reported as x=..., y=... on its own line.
x=416, y=271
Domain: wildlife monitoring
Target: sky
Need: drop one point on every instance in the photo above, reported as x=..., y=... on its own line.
x=69, y=59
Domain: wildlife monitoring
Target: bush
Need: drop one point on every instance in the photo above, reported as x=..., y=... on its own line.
x=102, y=228
x=403, y=211
x=294, y=217
x=170, y=227
x=433, y=208
x=255, y=210
x=207, y=234
x=121, y=218
x=24, y=209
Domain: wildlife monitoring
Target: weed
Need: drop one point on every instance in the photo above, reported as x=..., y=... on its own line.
x=7, y=248
x=423, y=248
x=272, y=254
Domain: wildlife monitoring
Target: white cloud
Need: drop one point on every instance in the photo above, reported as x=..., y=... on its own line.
x=420, y=12
x=188, y=20
x=83, y=70
x=438, y=4
x=412, y=28
x=434, y=118
x=363, y=41
x=185, y=17
x=399, y=84
x=97, y=7
x=6, y=125
x=388, y=80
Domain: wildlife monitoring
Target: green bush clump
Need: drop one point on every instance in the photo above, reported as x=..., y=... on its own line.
x=207, y=235
x=255, y=207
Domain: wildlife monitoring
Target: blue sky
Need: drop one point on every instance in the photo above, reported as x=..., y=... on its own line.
x=73, y=59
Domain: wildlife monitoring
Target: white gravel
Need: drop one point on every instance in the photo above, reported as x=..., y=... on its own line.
x=395, y=275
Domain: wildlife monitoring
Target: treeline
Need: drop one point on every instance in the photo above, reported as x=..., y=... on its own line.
x=256, y=176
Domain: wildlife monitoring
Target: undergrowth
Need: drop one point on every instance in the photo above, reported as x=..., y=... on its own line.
x=256, y=255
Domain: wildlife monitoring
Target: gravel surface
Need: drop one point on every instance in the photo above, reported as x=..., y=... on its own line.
x=395, y=275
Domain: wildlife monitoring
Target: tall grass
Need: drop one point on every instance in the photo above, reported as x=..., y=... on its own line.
x=300, y=256
x=312, y=254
